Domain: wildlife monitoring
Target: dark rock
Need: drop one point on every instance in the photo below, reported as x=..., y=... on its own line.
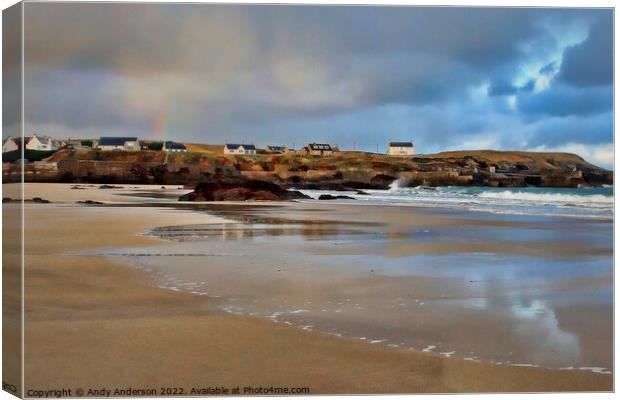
x=33, y=200
x=362, y=192
x=383, y=179
x=598, y=177
x=331, y=197
x=240, y=189
x=110, y=187
x=89, y=202
x=191, y=196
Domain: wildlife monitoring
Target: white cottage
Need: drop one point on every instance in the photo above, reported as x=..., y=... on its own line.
x=401, y=149
x=240, y=149
x=10, y=144
x=118, y=143
x=39, y=143
x=174, y=147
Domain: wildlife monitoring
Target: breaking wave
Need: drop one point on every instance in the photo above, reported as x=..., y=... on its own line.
x=552, y=198
x=582, y=202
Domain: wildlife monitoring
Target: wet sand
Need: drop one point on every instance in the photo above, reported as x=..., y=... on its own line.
x=92, y=321
x=405, y=282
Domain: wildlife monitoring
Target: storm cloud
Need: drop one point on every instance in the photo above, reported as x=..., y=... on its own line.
x=446, y=78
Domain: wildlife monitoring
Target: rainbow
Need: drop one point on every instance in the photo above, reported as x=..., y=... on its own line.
x=160, y=123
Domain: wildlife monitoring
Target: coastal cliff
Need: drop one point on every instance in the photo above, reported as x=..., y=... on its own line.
x=347, y=170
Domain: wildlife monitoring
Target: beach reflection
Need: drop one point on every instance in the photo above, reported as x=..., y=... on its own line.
x=538, y=325
x=494, y=290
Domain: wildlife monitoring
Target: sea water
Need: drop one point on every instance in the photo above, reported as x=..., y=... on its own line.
x=580, y=202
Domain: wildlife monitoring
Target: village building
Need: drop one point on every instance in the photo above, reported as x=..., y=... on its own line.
x=118, y=143
x=79, y=144
x=40, y=143
x=240, y=149
x=277, y=149
x=74, y=143
x=174, y=147
x=318, y=149
x=401, y=149
x=10, y=144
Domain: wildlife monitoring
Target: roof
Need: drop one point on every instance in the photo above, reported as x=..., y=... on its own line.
x=115, y=141
x=232, y=146
x=319, y=146
x=174, y=146
x=42, y=139
x=401, y=144
x=277, y=148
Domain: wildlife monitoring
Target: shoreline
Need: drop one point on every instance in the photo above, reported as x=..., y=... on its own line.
x=157, y=309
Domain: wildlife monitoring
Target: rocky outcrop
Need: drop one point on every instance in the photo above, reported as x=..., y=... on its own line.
x=33, y=200
x=332, y=197
x=240, y=189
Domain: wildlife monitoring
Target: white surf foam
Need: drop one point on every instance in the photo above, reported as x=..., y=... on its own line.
x=592, y=200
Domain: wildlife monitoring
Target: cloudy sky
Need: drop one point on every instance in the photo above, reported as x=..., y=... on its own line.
x=445, y=78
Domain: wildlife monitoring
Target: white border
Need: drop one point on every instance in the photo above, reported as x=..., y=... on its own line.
x=476, y=3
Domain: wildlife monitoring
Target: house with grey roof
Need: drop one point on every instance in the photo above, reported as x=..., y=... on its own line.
x=240, y=149
x=401, y=149
x=109, y=143
x=174, y=147
x=40, y=143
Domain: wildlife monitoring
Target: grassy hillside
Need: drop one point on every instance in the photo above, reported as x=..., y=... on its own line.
x=542, y=160
x=344, y=161
x=347, y=169
x=205, y=148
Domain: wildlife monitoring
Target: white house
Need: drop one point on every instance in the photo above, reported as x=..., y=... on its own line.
x=401, y=149
x=174, y=147
x=57, y=144
x=118, y=143
x=10, y=144
x=240, y=149
x=39, y=143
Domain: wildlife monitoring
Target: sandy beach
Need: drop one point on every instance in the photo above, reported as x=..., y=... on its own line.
x=96, y=322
